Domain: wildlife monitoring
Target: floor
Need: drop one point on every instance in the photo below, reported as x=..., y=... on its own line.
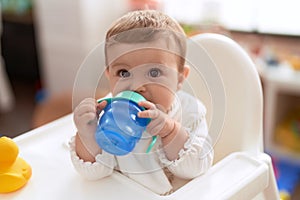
x=30, y=112
x=19, y=119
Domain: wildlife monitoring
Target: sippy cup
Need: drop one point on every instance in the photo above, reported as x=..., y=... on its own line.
x=119, y=127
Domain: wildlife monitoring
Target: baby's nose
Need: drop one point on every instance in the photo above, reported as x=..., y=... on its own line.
x=140, y=89
x=138, y=84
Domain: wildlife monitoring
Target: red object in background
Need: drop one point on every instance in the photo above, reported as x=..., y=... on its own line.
x=274, y=167
x=144, y=4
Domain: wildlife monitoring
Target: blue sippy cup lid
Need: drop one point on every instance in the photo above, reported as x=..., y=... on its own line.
x=127, y=94
x=130, y=95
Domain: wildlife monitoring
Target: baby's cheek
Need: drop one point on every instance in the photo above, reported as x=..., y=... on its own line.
x=167, y=82
x=120, y=86
x=166, y=101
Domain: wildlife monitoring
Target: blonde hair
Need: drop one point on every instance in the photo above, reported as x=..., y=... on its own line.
x=156, y=22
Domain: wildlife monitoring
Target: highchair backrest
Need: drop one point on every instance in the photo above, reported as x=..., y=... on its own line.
x=243, y=112
x=222, y=76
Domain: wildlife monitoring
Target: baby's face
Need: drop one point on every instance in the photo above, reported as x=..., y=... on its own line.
x=152, y=73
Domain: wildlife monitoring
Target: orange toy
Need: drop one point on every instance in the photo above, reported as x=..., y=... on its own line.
x=14, y=171
x=295, y=62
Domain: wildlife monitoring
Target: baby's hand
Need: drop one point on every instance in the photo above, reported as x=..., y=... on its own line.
x=161, y=124
x=86, y=116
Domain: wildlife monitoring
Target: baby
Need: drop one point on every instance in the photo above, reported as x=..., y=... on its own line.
x=144, y=53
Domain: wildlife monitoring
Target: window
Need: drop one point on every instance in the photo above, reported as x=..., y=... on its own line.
x=264, y=16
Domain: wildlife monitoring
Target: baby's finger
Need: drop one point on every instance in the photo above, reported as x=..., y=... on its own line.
x=91, y=100
x=85, y=109
x=100, y=106
x=147, y=104
x=89, y=118
x=149, y=114
x=84, y=119
x=87, y=101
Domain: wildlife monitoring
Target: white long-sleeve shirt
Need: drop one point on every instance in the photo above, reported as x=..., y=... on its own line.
x=154, y=170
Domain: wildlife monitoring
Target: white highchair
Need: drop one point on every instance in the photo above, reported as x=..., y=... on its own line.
x=241, y=169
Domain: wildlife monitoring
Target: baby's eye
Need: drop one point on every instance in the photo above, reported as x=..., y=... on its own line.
x=154, y=72
x=123, y=73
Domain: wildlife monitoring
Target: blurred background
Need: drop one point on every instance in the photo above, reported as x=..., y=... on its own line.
x=44, y=42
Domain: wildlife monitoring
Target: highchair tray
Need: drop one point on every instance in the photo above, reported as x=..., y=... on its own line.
x=53, y=176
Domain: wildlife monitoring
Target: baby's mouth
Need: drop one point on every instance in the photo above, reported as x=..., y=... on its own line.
x=144, y=95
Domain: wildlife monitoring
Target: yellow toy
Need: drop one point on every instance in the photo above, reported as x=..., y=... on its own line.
x=14, y=171
x=287, y=133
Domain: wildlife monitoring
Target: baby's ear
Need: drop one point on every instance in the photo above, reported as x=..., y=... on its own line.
x=186, y=71
x=107, y=72
x=182, y=76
